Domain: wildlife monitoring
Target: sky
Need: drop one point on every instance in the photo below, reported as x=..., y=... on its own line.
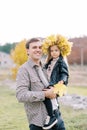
x=24, y=19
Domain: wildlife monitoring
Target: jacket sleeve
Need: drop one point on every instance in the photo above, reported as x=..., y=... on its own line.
x=64, y=73
x=23, y=92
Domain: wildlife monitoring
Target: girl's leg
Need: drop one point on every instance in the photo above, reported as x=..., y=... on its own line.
x=50, y=122
x=49, y=107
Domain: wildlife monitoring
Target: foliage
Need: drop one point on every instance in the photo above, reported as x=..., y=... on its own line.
x=19, y=56
x=60, y=89
x=14, y=71
x=7, y=47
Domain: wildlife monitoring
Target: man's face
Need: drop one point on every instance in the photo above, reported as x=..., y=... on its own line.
x=35, y=50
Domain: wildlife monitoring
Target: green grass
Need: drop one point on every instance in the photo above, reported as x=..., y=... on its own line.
x=74, y=119
x=13, y=117
x=12, y=114
x=78, y=90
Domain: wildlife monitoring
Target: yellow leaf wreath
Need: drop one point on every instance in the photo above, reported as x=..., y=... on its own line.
x=63, y=44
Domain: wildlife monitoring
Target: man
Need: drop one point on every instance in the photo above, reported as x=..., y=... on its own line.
x=29, y=89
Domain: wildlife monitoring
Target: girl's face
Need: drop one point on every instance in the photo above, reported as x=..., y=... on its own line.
x=54, y=51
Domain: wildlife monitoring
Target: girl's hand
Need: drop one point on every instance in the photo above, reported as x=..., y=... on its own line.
x=61, y=82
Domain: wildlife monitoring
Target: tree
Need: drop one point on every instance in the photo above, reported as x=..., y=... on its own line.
x=19, y=56
x=7, y=47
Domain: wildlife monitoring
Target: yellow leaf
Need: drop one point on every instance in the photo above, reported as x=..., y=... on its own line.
x=19, y=56
x=60, y=89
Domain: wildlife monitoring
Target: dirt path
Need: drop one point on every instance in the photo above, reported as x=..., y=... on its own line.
x=78, y=76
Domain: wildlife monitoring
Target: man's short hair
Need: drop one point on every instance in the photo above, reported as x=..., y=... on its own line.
x=31, y=41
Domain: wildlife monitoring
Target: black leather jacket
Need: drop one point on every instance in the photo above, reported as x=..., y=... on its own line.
x=59, y=72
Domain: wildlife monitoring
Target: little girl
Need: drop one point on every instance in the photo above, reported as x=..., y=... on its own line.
x=56, y=47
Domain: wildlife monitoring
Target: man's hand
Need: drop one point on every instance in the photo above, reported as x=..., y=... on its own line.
x=49, y=93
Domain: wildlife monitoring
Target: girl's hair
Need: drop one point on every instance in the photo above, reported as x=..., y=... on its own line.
x=49, y=57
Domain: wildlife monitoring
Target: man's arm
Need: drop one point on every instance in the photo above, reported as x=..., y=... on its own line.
x=23, y=92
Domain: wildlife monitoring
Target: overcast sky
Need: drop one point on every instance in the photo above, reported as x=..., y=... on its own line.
x=21, y=19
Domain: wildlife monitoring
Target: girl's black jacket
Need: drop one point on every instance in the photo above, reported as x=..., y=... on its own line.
x=59, y=72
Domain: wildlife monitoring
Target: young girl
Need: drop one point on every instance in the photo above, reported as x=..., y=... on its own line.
x=56, y=47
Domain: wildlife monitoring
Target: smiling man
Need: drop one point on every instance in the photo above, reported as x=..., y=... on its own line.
x=30, y=86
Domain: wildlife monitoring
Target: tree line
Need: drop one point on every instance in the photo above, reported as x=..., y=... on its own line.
x=7, y=47
x=76, y=40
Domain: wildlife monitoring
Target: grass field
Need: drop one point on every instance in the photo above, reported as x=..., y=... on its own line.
x=78, y=90
x=13, y=117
